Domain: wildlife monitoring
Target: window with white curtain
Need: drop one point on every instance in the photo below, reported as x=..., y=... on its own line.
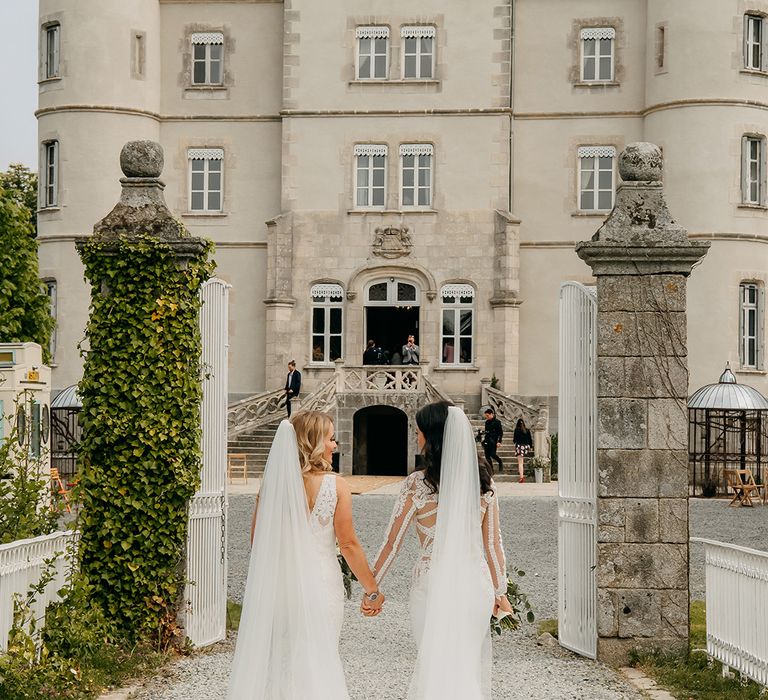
x=327, y=322
x=206, y=179
x=750, y=325
x=49, y=175
x=753, y=170
x=418, y=52
x=754, y=42
x=597, y=54
x=416, y=175
x=596, y=178
x=370, y=175
x=207, y=58
x=458, y=306
x=372, y=53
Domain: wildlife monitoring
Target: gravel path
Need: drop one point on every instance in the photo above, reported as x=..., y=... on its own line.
x=378, y=653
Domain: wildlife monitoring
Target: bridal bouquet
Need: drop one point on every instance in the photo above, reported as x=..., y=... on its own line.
x=520, y=606
x=346, y=573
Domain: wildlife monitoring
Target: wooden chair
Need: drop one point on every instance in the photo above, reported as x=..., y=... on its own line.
x=743, y=486
x=58, y=488
x=237, y=467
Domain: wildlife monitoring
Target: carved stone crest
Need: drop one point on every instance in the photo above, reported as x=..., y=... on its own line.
x=392, y=242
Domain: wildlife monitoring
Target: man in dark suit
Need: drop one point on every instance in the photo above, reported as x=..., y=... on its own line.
x=492, y=436
x=292, y=385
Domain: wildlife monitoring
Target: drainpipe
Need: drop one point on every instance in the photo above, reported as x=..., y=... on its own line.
x=510, y=202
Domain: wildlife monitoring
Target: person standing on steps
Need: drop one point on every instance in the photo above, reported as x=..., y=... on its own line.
x=523, y=445
x=492, y=435
x=292, y=385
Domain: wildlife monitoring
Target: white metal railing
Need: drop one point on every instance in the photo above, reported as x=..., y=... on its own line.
x=21, y=566
x=577, y=478
x=737, y=608
x=378, y=379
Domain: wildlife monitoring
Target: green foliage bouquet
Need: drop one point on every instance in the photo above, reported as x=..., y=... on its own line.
x=521, y=606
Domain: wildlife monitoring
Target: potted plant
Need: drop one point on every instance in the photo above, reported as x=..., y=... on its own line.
x=539, y=465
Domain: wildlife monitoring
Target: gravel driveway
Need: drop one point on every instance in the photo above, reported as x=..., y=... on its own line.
x=378, y=653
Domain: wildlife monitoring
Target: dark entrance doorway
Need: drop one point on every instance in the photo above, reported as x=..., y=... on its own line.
x=390, y=327
x=380, y=441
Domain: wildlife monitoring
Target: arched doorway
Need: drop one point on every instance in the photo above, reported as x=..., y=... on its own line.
x=380, y=441
x=391, y=315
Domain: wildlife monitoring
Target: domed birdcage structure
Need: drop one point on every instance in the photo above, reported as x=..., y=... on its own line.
x=727, y=429
x=65, y=431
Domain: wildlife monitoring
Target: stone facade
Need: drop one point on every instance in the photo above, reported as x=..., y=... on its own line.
x=641, y=259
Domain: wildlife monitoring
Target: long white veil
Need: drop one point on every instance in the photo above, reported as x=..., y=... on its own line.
x=454, y=653
x=285, y=645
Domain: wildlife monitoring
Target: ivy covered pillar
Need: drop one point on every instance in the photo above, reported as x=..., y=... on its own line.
x=642, y=259
x=141, y=392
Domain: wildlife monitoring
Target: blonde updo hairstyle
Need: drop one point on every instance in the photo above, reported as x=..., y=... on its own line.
x=311, y=430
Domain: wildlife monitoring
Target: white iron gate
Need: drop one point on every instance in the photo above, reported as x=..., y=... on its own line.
x=577, y=467
x=206, y=592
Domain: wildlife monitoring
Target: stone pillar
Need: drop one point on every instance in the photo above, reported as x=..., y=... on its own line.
x=506, y=302
x=641, y=258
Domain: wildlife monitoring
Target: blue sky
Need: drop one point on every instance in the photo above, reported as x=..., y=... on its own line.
x=18, y=76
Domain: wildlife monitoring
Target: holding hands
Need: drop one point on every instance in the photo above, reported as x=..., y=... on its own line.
x=372, y=604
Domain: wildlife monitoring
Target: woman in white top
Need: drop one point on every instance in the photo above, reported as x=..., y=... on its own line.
x=288, y=642
x=460, y=576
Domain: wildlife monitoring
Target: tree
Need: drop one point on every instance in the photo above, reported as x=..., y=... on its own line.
x=24, y=307
x=21, y=182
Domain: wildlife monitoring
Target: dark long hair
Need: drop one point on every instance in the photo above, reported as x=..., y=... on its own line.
x=520, y=425
x=431, y=421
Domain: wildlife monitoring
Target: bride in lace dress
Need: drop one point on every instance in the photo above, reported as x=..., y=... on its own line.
x=288, y=641
x=460, y=577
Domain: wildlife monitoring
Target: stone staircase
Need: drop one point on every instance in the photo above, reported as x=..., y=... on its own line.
x=507, y=454
x=255, y=445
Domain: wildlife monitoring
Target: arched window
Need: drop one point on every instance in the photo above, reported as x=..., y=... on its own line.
x=392, y=292
x=327, y=322
x=456, y=337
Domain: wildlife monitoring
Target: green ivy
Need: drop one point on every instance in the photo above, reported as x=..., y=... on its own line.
x=140, y=446
x=24, y=307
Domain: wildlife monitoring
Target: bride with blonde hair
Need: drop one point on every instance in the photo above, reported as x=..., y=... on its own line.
x=288, y=641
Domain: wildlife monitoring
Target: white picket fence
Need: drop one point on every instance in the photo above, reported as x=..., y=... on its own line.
x=737, y=608
x=21, y=566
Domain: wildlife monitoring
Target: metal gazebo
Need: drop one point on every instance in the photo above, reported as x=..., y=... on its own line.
x=65, y=431
x=727, y=429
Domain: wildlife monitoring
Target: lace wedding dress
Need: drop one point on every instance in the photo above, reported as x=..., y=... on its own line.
x=288, y=641
x=450, y=608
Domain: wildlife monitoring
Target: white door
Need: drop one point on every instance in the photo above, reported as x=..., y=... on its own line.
x=206, y=591
x=577, y=467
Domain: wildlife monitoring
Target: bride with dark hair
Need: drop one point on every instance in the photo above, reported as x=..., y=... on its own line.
x=460, y=575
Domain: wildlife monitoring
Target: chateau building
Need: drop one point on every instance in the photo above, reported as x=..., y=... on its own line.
x=379, y=169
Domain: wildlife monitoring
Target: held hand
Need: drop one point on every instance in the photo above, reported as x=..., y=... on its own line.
x=502, y=605
x=371, y=608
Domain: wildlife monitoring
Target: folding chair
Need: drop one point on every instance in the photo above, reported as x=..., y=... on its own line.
x=237, y=467
x=58, y=488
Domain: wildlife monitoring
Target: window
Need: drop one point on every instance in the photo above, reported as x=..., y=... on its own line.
x=753, y=170
x=50, y=286
x=327, y=300
x=596, y=187
x=49, y=176
x=661, y=46
x=597, y=54
x=416, y=174
x=750, y=325
x=52, y=38
x=754, y=58
x=372, y=53
x=207, y=58
x=393, y=292
x=418, y=52
x=206, y=173
x=370, y=175
x=457, y=317
x=138, y=54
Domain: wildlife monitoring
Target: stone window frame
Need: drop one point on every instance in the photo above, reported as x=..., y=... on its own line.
x=661, y=48
x=584, y=151
x=138, y=54
x=322, y=296
x=370, y=31
x=371, y=150
x=46, y=72
x=575, y=42
x=206, y=155
x=759, y=310
x=211, y=91
x=746, y=182
x=49, y=175
x=457, y=307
